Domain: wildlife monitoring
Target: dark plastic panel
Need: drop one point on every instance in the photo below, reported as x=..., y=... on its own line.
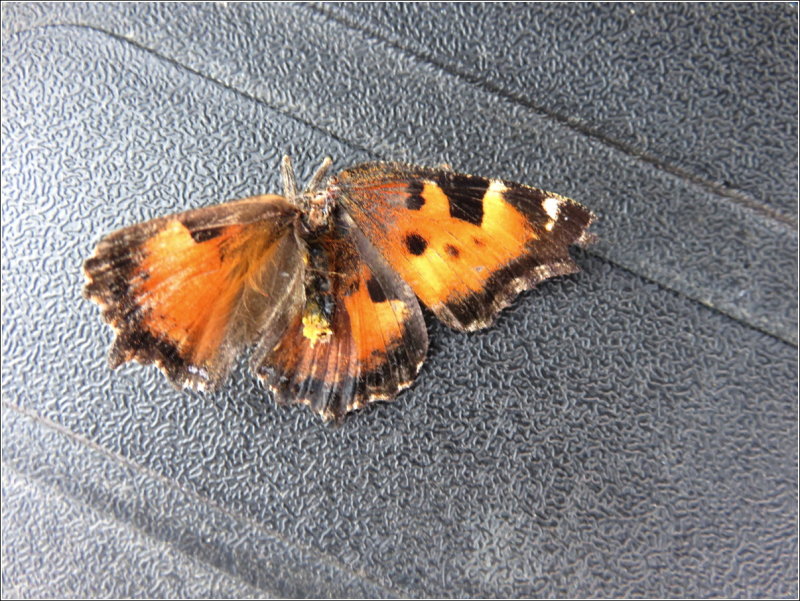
x=611, y=436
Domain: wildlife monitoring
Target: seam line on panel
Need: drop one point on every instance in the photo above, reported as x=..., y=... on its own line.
x=731, y=194
x=33, y=481
x=210, y=503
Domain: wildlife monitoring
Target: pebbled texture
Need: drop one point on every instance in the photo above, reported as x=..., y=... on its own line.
x=91, y=554
x=611, y=436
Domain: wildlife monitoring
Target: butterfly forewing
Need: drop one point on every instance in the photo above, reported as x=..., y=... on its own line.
x=188, y=291
x=466, y=245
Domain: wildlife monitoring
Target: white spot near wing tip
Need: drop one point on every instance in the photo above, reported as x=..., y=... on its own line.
x=496, y=186
x=551, y=206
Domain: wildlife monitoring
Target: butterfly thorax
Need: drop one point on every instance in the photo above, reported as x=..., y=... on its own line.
x=317, y=225
x=317, y=200
x=317, y=211
x=316, y=204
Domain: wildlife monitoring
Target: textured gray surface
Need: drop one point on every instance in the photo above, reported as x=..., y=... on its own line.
x=90, y=554
x=680, y=86
x=628, y=431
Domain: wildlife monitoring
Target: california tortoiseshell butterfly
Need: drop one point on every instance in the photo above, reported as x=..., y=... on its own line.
x=324, y=281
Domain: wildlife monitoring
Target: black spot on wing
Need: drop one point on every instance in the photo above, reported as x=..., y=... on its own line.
x=416, y=244
x=415, y=201
x=452, y=251
x=375, y=291
x=206, y=234
x=380, y=292
x=465, y=194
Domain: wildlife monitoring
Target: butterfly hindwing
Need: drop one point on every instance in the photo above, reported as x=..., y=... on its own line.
x=367, y=345
x=466, y=245
x=188, y=291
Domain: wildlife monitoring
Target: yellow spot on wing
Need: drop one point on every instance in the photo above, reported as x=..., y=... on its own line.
x=316, y=328
x=500, y=219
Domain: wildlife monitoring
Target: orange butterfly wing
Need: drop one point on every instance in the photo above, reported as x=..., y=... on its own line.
x=466, y=245
x=188, y=291
x=368, y=347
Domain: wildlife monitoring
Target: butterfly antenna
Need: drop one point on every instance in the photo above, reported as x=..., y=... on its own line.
x=318, y=176
x=289, y=180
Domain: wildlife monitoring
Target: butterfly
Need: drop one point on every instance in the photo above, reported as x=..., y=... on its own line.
x=324, y=282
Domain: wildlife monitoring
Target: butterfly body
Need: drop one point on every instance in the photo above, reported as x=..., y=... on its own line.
x=324, y=282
